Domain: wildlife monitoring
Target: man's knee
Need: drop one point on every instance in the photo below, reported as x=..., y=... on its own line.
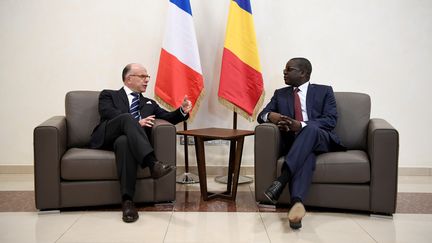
x=311, y=130
x=121, y=141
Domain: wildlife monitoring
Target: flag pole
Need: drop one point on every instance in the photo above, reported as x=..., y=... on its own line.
x=186, y=177
x=186, y=151
x=235, y=120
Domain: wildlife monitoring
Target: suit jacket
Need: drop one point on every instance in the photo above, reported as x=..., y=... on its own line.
x=115, y=102
x=320, y=107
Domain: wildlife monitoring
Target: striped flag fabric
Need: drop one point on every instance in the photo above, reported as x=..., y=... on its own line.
x=241, y=82
x=179, y=72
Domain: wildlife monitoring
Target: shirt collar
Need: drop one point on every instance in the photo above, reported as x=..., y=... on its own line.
x=304, y=86
x=127, y=90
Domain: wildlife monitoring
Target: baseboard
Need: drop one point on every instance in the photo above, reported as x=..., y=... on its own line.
x=216, y=170
x=16, y=169
x=415, y=171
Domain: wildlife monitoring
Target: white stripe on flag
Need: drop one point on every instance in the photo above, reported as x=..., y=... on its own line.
x=180, y=38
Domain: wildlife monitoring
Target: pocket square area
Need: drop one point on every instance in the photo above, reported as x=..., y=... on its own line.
x=148, y=102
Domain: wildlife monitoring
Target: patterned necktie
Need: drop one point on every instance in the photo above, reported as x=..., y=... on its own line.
x=297, y=105
x=134, y=106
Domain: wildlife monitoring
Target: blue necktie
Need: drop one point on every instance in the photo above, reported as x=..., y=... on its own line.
x=134, y=107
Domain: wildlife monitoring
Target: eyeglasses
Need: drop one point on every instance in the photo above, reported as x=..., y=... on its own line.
x=141, y=76
x=290, y=69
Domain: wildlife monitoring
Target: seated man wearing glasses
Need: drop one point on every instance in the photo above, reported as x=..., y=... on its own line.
x=306, y=115
x=125, y=113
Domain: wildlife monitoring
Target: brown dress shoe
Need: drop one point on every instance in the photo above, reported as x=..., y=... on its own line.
x=130, y=213
x=160, y=169
x=296, y=214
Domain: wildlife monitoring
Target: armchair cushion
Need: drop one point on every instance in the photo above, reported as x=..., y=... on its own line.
x=353, y=119
x=82, y=116
x=91, y=164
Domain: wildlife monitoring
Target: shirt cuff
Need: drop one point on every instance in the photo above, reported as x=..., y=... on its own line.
x=182, y=112
x=264, y=117
x=303, y=124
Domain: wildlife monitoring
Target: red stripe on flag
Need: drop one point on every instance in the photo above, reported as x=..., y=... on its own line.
x=175, y=80
x=240, y=84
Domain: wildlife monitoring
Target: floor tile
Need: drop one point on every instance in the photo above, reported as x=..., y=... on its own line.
x=216, y=227
x=34, y=227
x=402, y=228
x=192, y=202
x=212, y=185
x=109, y=227
x=317, y=227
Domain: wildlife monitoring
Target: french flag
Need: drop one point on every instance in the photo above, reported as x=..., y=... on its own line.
x=179, y=71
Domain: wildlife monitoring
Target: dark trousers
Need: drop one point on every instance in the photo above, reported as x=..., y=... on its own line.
x=301, y=158
x=131, y=145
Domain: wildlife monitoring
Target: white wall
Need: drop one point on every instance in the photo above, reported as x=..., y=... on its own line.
x=49, y=47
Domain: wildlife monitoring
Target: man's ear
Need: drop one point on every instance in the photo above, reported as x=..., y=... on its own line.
x=303, y=74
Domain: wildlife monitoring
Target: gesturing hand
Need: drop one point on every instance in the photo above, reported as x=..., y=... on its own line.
x=186, y=105
x=148, y=121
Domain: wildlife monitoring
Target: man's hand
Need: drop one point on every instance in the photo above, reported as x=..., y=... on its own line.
x=148, y=121
x=292, y=124
x=186, y=105
x=284, y=123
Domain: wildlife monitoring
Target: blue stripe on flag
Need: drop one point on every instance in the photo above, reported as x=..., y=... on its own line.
x=245, y=5
x=184, y=5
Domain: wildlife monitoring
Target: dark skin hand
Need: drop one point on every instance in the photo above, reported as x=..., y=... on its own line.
x=285, y=123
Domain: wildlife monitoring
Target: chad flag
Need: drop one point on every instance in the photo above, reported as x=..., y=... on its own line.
x=241, y=83
x=179, y=71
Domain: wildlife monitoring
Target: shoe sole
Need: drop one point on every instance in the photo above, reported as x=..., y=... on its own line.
x=296, y=225
x=270, y=198
x=170, y=169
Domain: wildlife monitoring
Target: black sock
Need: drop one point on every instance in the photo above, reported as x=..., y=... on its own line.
x=126, y=197
x=296, y=200
x=285, y=176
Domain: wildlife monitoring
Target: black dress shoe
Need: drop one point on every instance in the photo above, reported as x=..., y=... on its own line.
x=274, y=191
x=160, y=169
x=130, y=213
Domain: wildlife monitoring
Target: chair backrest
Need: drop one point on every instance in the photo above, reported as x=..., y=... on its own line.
x=82, y=116
x=353, y=118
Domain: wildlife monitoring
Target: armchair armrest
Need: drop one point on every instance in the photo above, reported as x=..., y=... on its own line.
x=164, y=141
x=267, y=139
x=49, y=143
x=383, y=149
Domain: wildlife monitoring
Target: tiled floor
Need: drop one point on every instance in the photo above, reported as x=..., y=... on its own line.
x=181, y=226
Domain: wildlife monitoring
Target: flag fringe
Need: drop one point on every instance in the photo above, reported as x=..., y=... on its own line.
x=240, y=111
x=192, y=113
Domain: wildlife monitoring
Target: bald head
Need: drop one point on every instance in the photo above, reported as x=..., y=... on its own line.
x=127, y=70
x=135, y=77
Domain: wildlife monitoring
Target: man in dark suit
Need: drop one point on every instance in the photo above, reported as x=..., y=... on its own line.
x=125, y=114
x=306, y=115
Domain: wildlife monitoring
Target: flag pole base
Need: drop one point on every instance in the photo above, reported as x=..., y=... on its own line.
x=187, y=178
x=242, y=179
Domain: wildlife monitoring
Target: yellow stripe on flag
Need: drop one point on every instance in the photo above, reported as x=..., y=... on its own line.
x=240, y=36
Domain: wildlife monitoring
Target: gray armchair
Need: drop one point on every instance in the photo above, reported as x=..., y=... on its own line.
x=68, y=174
x=362, y=178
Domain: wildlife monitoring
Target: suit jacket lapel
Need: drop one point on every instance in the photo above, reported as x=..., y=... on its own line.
x=142, y=101
x=123, y=98
x=290, y=102
x=309, y=100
